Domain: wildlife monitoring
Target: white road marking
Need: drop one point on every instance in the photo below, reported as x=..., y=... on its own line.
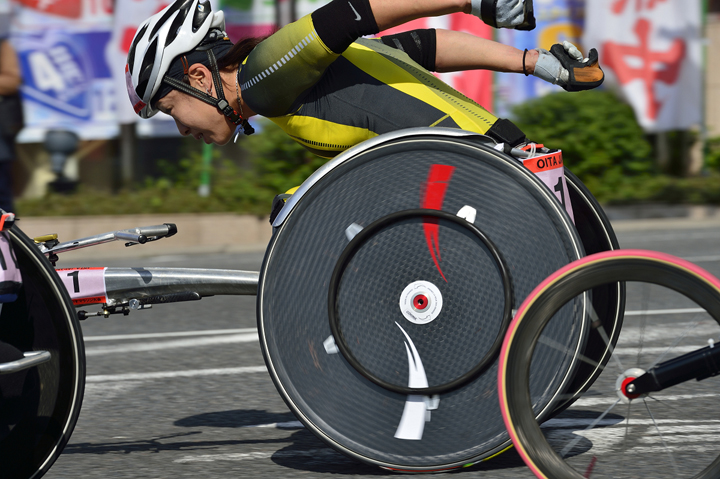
x=588, y=402
x=705, y=328
x=610, y=438
x=281, y=425
x=97, y=393
x=687, y=424
x=700, y=259
x=677, y=350
x=173, y=334
x=684, y=236
x=178, y=343
x=652, y=312
x=696, y=449
x=670, y=437
x=101, y=378
x=261, y=455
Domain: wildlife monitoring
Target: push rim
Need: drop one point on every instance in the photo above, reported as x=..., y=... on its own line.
x=349, y=253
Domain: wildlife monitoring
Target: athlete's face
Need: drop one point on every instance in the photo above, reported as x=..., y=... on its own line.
x=196, y=118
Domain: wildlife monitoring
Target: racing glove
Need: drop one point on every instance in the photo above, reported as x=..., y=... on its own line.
x=517, y=14
x=564, y=65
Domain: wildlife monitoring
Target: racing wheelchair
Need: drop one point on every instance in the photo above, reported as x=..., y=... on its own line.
x=393, y=282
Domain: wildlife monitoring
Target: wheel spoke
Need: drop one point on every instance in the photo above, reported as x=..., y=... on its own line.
x=572, y=443
x=601, y=331
x=677, y=341
x=667, y=404
x=643, y=321
x=657, y=428
x=564, y=349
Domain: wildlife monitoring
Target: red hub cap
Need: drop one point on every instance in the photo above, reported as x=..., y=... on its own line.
x=420, y=302
x=625, y=382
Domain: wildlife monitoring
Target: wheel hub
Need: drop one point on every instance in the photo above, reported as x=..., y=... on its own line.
x=624, y=380
x=421, y=302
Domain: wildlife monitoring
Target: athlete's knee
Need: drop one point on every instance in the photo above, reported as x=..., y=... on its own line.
x=341, y=22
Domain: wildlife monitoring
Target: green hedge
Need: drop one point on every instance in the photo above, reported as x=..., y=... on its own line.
x=277, y=163
x=601, y=142
x=598, y=134
x=605, y=147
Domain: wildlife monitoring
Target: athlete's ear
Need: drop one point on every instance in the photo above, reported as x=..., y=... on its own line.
x=200, y=77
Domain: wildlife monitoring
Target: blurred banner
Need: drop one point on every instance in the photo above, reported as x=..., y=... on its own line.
x=248, y=18
x=475, y=84
x=5, y=11
x=129, y=14
x=557, y=20
x=66, y=80
x=652, y=51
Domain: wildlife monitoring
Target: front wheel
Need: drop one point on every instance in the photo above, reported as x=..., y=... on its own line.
x=673, y=311
x=39, y=406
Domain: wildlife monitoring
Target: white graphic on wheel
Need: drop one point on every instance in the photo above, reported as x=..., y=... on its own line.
x=417, y=407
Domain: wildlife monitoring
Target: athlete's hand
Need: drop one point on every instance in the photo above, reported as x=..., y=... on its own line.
x=516, y=14
x=564, y=65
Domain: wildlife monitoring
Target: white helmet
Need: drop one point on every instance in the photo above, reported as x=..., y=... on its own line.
x=177, y=29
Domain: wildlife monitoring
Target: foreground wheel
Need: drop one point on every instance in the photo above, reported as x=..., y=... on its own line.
x=611, y=432
x=420, y=299
x=39, y=406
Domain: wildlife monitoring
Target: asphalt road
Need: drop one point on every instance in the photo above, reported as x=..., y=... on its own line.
x=181, y=390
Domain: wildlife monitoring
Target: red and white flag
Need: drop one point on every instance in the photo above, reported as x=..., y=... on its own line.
x=651, y=50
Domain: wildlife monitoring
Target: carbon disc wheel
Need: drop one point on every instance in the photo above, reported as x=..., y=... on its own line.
x=39, y=406
x=609, y=432
x=404, y=268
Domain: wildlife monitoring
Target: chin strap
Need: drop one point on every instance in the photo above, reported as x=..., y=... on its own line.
x=220, y=102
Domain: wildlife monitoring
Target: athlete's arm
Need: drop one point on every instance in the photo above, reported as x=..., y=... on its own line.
x=564, y=65
x=457, y=51
x=9, y=69
x=391, y=13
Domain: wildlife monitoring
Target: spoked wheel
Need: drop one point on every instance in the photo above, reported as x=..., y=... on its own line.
x=652, y=410
x=386, y=286
x=39, y=406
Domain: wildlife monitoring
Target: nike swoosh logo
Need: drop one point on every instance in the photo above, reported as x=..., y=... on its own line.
x=357, y=15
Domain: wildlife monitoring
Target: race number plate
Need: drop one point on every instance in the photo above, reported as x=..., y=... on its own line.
x=549, y=168
x=10, y=277
x=85, y=285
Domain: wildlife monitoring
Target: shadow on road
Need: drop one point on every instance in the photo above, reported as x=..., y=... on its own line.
x=302, y=450
x=236, y=418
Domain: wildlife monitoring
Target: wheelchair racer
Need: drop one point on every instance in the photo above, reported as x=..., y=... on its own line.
x=325, y=85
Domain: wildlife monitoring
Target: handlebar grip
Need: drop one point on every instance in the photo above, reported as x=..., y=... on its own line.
x=163, y=231
x=132, y=237
x=172, y=229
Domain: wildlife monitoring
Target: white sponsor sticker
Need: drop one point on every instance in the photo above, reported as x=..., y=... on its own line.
x=9, y=270
x=549, y=169
x=85, y=285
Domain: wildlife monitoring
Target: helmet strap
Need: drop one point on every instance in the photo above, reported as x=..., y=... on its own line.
x=220, y=102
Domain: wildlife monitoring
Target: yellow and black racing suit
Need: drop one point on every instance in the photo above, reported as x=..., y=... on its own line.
x=329, y=102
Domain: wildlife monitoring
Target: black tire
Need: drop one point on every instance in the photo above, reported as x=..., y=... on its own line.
x=541, y=450
x=37, y=424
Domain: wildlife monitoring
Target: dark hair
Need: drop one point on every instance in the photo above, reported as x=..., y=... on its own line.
x=232, y=56
x=238, y=52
